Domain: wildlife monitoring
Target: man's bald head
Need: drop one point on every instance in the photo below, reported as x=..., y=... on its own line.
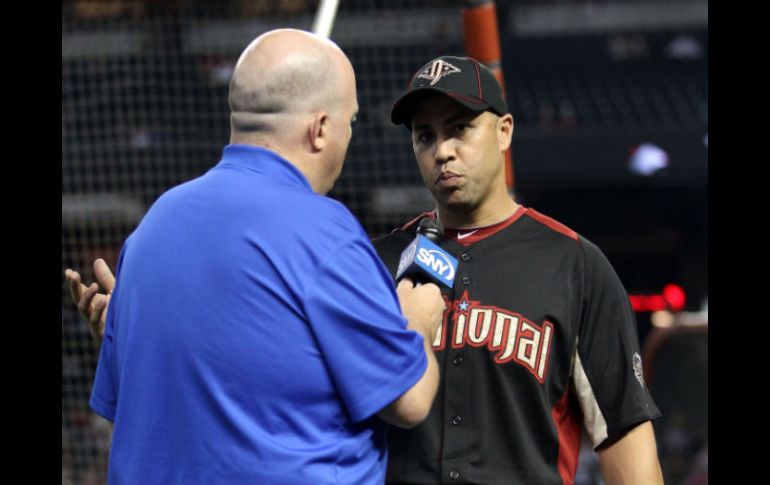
x=283, y=73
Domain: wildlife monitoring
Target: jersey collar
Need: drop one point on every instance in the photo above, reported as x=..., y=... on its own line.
x=468, y=236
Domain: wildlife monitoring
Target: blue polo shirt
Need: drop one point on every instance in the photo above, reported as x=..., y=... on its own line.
x=252, y=335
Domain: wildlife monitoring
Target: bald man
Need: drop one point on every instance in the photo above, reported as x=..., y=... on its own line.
x=253, y=335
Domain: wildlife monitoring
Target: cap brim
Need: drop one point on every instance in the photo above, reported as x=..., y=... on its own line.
x=404, y=106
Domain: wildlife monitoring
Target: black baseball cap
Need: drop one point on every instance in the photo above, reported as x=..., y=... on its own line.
x=464, y=79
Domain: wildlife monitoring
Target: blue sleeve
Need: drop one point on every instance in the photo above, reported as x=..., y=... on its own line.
x=353, y=309
x=104, y=393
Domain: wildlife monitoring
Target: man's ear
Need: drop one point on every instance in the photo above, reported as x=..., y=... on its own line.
x=505, y=131
x=318, y=131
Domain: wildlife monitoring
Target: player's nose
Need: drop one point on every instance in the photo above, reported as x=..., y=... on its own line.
x=445, y=150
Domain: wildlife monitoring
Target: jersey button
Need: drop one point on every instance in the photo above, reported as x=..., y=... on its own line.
x=457, y=361
x=454, y=474
x=466, y=280
x=465, y=257
x=457, y=420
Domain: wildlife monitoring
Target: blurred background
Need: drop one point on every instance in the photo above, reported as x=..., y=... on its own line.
x=610, y=103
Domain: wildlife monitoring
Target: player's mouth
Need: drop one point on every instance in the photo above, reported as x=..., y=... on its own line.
x=447, y=180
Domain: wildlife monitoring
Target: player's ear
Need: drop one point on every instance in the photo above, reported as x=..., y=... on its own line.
x=318, y=131
x=505, y=131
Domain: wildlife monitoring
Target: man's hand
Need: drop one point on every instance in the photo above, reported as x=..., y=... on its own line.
x=92, y=304
x=422, y=305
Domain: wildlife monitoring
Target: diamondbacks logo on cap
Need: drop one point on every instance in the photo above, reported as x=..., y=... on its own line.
x=438, y=69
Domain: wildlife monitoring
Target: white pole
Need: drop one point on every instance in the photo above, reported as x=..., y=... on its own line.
x=324, y=17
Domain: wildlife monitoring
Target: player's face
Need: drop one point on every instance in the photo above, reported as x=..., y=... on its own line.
x=459, y=151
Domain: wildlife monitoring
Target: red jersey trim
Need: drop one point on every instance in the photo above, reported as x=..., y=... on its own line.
x=567, y=424
x=552, y=224
x=431, y=214
x=484, y=232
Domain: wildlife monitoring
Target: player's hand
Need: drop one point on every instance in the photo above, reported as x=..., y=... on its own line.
x=92, y=304
x=422, y=305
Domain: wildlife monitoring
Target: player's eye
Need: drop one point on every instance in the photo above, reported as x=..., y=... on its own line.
x=423, y=137
x=460, y=128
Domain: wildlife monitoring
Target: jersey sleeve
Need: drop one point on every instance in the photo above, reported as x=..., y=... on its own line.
x=607, y=370
x=356, y=318
x=104, y=393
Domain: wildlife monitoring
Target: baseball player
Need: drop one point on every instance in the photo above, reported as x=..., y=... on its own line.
x=538, y=339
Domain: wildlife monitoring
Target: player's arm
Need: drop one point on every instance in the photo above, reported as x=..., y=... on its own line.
x=92, y=304
x=632, y=459
x=612, y=387
x=422, y=306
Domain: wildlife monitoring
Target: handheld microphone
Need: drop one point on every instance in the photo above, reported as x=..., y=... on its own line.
x=424, y=261
x=428, y=227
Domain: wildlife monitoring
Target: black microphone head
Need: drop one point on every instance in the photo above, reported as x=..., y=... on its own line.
x=428, y=227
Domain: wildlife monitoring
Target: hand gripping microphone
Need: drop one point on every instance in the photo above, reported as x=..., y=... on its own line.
x=424, y=261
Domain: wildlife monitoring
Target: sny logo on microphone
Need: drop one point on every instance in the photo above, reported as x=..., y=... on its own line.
x=433, y=261
x=423, y=257
x=438, y=262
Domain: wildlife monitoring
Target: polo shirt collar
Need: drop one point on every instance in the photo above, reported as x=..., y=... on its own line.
x=263, y=161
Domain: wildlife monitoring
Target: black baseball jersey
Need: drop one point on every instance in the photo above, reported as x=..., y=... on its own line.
x=538, y=340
